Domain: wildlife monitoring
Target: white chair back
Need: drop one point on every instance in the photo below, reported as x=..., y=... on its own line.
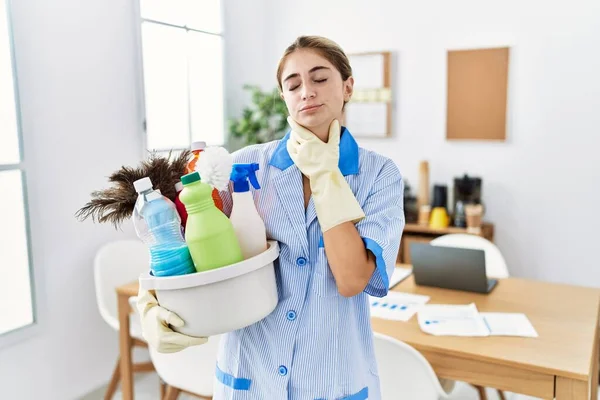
x=192, y=369
x=404, y=373
x=115, y=264
x=495, y=265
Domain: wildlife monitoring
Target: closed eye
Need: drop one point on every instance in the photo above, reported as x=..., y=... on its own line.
x=315, y=80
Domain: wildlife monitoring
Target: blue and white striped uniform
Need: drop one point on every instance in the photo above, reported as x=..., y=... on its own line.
x=316, y=344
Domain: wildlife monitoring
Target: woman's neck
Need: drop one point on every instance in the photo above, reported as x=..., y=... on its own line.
x=322, y=131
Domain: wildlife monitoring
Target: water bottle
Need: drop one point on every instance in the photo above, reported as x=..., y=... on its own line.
x=158, y=225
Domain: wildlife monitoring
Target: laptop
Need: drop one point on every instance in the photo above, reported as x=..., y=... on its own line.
x=450, y=268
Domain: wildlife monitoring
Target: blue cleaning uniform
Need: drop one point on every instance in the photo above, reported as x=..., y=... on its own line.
x=316, y=344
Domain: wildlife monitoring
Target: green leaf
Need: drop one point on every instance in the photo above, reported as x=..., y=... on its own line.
x=263, y=120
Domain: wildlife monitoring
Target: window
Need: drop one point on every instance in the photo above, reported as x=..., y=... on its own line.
x=16, y=288
x=182, y=61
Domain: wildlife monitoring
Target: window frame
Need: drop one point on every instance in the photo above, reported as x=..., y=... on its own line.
x=25, y=332
x=140, y=84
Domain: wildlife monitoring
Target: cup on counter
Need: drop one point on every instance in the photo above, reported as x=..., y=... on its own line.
x=424, y=214
x=474, y=217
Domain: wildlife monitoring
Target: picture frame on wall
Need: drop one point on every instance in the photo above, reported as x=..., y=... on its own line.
x=369, y=112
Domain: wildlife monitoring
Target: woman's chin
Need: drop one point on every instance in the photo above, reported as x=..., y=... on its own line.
x=313, y=121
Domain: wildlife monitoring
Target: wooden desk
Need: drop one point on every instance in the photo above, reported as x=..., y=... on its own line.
x=425, y=234
x=561, y=362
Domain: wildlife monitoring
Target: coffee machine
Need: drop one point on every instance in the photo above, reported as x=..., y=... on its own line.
x=467, y=190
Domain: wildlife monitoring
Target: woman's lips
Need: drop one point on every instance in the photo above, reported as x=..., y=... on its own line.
x=311, y=108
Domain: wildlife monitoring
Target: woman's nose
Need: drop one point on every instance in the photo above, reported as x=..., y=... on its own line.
x=308, y=92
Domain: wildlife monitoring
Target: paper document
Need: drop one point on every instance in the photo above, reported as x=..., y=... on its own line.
x=465, y=320
x=509, y=324
x=451, y=320
x=399, y=275
x=396, y=306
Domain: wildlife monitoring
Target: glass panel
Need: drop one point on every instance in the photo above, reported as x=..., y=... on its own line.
x=204, y=15
x=15, y=292
x=9, y=136
x=165, y=86
x=206, y=88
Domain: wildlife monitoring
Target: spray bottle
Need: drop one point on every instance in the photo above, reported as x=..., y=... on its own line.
x=247, y=223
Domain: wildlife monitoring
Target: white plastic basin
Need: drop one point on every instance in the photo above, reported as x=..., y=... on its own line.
x=223, y=299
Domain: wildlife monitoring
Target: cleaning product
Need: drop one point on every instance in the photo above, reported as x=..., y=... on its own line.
x=179, y=205
x=158, y=225
x=247, y=223
x=197, y=148
x=209, y=233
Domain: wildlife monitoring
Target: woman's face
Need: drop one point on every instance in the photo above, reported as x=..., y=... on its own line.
x=313, y=89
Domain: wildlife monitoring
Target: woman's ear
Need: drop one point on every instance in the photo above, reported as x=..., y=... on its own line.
x=348, y=89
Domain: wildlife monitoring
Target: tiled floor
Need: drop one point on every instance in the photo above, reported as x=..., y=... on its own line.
x=146, y=388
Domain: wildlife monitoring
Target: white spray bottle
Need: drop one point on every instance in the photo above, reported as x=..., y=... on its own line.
x=247, y=223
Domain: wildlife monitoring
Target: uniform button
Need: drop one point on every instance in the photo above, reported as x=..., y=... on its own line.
x=301, y=261
x=291, y=315
x=282, y=370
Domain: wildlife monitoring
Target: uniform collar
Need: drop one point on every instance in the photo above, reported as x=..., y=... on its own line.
x=348, y=163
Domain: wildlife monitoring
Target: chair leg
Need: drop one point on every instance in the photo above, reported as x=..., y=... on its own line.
x=481, y=391
x=163, y=389
x=114, y=381
x=172, y=393
x=501, y=394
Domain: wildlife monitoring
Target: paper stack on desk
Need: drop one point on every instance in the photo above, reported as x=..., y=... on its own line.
x=509, y=324
x=397, y=306
x=465, y=320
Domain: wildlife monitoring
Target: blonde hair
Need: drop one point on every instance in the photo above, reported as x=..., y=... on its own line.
x=326, y=48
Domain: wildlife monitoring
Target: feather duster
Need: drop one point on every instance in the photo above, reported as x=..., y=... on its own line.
x=116, y=203
x=214, y=167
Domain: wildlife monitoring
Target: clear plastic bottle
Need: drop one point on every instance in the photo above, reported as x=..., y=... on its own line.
x=158, y=225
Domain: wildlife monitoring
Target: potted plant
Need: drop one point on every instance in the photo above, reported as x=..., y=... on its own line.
x=264, y=120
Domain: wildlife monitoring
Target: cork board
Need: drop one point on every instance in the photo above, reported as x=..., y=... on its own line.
x=477, y=94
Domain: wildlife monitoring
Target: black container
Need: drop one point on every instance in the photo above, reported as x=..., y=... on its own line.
x=411, y=211
x=467, y=190
x=440, y=196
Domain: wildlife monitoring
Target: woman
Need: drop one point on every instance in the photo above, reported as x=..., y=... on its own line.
x=336, y=211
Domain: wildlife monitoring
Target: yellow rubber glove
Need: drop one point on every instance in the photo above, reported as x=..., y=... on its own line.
x=318, y=161
x=155, y=326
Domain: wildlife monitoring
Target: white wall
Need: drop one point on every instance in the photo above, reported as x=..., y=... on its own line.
x=246, y=25
x=80, y=123
x=542, y=185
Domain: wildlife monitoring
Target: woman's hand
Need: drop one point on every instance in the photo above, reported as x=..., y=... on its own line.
x=334, y=201
x=155, y=326
x=311, y=155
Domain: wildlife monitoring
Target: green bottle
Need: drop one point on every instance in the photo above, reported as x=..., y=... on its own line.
x=208, y=232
